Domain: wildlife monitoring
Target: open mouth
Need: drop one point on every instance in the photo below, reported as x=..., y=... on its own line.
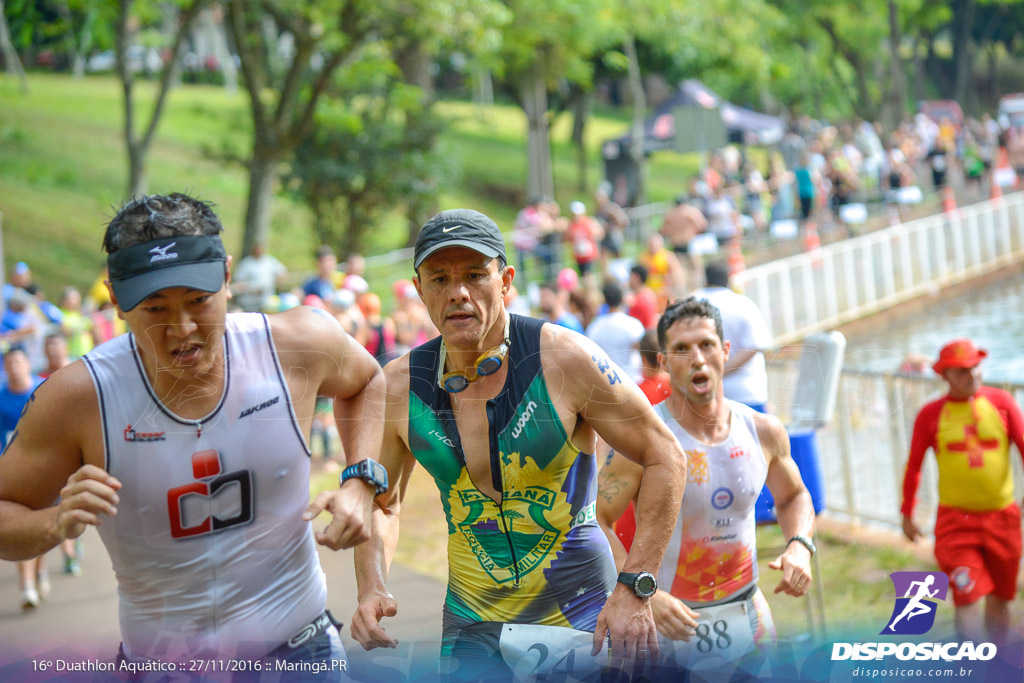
x=186, y=354
x=700, y=381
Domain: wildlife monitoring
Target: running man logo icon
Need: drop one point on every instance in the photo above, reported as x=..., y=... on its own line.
x=914, y=612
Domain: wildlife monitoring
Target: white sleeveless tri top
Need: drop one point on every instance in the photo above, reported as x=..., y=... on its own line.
x=712, y=553
x=209, y=546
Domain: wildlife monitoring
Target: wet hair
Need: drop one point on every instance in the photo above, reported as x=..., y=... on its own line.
x=154, y=216
x=612, y=292
x=691, y=307
x=649, y=348
x=716, y=274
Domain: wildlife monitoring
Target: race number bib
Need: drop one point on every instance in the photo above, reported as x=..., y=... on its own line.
x=532, y=651
x=723, y=631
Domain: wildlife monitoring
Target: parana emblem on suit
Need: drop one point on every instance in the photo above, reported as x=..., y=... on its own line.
x=506, y=542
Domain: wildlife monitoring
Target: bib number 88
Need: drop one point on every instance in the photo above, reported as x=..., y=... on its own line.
x=722, y=640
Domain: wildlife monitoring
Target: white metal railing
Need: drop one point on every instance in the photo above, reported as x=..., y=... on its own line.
x=863, y=449
x=832, y=285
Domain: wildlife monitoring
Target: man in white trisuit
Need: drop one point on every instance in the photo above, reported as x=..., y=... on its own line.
x=708, y=602
x=186, y=443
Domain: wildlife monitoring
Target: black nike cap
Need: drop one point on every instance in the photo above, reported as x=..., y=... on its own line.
x=459, y=228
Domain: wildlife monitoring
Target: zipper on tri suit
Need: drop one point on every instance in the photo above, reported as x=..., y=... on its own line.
x=496, y=463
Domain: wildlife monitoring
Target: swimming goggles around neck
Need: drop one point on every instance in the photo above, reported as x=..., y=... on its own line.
x=488, y=363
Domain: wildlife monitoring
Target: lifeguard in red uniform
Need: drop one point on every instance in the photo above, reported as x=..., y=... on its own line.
x=977, y=530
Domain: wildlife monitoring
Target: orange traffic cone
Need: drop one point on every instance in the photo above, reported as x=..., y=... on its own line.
x=995, y=193
x=811, y=239
x=736, y=264
x=812, y=243
x=949, y=202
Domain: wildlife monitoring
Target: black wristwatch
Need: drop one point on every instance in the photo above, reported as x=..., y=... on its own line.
x=805, y=542
x=370, y=471
x=644, y=584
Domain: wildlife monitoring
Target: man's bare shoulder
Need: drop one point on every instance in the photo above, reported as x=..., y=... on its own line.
x=564, y=348
x=772, y=435
x=304, y=327
x=573, y=362
x=396, y=373
x=72, y=385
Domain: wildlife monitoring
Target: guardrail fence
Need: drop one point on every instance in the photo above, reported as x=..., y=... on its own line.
x=864, y=448
x=821, y=289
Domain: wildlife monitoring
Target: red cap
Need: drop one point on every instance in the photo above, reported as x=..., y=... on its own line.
x=959, y=353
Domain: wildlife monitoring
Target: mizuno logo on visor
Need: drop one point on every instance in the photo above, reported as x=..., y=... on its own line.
x=160, y=253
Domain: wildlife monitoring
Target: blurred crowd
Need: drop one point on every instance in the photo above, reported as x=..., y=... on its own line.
x=587, y=269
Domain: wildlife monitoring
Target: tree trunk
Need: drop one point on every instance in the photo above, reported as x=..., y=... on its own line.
x=262, y=174
x=414, y=62
x=962, y=24
x=897, y=77
x=138, y=147
x=941, y=75
x=320, y=229
x=353, y=234
x=993, y=73
x=11, y=60
x=920, y=71
x=636, y=144
x=211, y=25
x=137, y=181
x=79, y=44
x=483, y=90
x=539, y=179
x=861, y=102
x=581, y=111
x=121, y=39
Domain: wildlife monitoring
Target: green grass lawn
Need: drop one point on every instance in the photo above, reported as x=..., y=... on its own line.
x=63, y=169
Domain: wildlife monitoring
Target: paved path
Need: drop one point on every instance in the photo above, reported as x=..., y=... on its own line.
x=80, y=616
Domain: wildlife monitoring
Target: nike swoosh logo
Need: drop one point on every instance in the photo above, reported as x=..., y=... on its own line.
x=447, y=230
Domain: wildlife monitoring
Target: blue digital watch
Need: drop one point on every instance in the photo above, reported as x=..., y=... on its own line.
x=370, y=471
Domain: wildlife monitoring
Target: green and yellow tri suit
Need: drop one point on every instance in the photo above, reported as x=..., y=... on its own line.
x=538, y=556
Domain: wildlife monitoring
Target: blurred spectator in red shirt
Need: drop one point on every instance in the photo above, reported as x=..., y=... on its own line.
x=645, y=301
x=656, y=384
